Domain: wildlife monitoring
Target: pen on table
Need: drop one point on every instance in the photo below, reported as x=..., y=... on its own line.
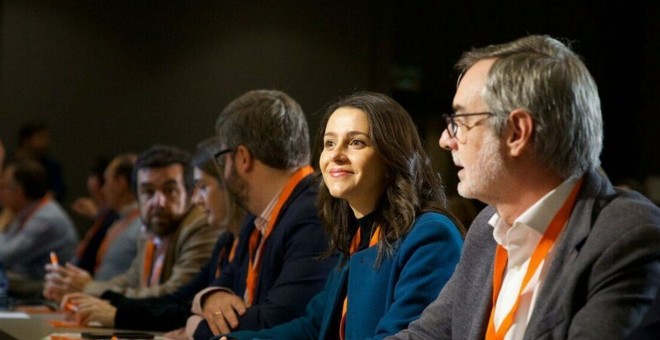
x=53, y=259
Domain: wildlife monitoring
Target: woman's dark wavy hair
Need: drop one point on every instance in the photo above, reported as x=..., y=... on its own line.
x=412, y=185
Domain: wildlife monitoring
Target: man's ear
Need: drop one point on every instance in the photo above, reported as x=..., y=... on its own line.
x=243, y=159
x=520, y=131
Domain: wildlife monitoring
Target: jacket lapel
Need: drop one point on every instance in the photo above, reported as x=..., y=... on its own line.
x=595, y=193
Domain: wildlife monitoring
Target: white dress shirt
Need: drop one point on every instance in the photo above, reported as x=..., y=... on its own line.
x=520, y=241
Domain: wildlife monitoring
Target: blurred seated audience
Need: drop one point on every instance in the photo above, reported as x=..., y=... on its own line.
x=94, y=207
x=175, y=240
x=118, y=247
x=34, y=143
x=39, y=226
x=90, y=206
x=170, y=311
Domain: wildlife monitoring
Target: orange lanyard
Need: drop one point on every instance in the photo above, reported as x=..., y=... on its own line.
x=114, y=232
x=355, y=243
x=154, y=258
x=149, y=249
x=256, y=251
x=545, y=244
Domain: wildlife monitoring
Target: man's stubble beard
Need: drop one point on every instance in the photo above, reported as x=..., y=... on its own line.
x=237, y=188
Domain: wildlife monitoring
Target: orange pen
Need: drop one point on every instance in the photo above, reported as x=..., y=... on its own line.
x=71, y=307
x=53, y=259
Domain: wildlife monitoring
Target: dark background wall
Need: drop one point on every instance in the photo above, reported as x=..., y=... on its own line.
x=118, y=76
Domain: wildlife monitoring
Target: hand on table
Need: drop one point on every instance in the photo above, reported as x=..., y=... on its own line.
x=88, y=309
x=221, y=310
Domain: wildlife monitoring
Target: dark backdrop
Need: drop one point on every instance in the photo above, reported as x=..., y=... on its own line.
x=117, y=76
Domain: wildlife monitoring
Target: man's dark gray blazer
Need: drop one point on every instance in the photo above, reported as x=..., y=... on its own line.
x=603, y=276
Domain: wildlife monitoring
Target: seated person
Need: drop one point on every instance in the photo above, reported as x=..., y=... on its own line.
x=39, y=226
x=383, y=205
x=34, y=143
x=95, y=208
x=176, y=240
x=118, y=247
x=170, y=311
x=559, y=253
x=277, y=268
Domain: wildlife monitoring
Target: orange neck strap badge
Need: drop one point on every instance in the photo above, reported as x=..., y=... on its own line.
x=542, y=249
x=149, y=249
x=355, y=243
x=257, y=240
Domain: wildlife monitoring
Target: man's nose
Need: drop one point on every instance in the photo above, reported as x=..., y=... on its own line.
x=447, y=142
x=159, y=199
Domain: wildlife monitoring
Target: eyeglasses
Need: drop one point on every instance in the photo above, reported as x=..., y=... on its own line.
x=452, y=124
x=218, y=156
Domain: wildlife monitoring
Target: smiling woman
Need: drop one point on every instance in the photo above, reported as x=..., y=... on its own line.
x=352, y=168
x=382, y=204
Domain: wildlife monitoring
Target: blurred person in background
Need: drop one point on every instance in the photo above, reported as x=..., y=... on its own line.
x=118, y=247
x=39, y=226
x=95, y=208
x=34, y=142
x=176, y=239
x=168, y=312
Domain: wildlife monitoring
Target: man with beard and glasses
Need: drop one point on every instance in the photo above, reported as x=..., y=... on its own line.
x=559, y=253
x=277, y=267
x=177, y=238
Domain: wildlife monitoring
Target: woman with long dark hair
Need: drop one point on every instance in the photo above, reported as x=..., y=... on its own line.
x=384, y=209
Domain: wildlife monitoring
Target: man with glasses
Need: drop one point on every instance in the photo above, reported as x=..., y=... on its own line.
x=276, y=268
x=558, y=253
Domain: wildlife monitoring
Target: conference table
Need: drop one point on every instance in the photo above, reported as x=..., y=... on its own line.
x=36, y=323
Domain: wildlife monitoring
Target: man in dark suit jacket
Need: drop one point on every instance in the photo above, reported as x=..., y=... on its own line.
x=558, y=253
x=277, y=269
x=170, y=311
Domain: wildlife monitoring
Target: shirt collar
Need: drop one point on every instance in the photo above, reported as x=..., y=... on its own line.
x=521, y=238
x=261, y=222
